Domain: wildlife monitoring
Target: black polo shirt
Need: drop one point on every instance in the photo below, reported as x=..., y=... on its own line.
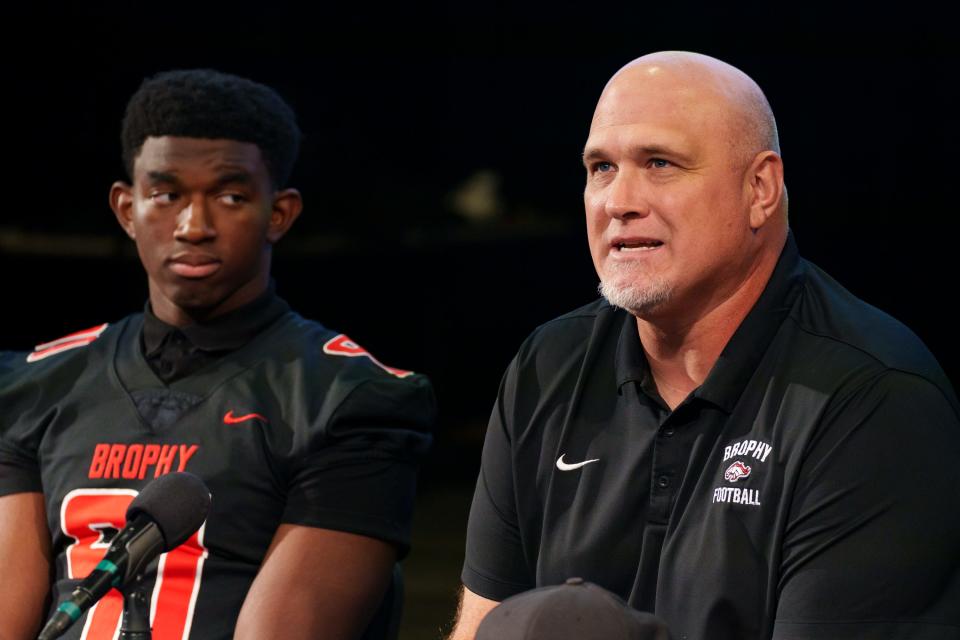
x=809, y=488
x=174, y=353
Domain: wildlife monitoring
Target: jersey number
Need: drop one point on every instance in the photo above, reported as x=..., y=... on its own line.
x=84, y=516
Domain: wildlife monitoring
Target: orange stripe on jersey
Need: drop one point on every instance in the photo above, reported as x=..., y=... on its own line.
x=92, y=333
x=341, y=345
x=72, y=341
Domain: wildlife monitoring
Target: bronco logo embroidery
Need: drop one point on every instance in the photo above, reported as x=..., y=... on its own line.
x=736, y=471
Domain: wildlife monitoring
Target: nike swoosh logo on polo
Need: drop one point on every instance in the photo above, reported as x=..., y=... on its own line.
x=229, y=418
x=563, y=466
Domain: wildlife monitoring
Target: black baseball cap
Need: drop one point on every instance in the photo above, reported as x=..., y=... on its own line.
x=575, y=610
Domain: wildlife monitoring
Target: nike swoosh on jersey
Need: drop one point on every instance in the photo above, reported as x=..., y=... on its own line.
x=229, y=418
x=563, y=466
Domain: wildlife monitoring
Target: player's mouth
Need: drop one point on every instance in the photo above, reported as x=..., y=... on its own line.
x=192, y=265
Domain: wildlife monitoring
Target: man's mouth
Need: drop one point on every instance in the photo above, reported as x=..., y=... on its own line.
x=194, y=266
x=636, y=245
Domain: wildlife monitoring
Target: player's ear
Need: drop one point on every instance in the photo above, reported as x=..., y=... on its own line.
x=287, y=205
x=121, y=201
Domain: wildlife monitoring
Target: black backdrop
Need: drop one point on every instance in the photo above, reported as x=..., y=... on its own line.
x=404, y=105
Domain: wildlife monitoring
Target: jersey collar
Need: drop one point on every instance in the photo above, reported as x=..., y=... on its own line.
x=224, y=333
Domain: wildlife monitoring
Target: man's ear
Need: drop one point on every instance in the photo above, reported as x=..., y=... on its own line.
x=287, y=205
x=766, y=183
x=121, y=201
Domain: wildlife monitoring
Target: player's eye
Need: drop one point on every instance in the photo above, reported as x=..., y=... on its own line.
x=232, y=198
x=163, y=197
x=659, y=163
x=602, y=167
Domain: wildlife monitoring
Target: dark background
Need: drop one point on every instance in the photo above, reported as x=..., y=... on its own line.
x=405, y=107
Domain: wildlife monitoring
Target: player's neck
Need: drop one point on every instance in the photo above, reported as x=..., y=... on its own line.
x=182, y=315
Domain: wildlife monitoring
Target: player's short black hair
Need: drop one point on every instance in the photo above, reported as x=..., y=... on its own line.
x=203, y=103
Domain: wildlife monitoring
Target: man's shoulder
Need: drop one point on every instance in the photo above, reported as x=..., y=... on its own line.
x=291, y=330
x=830, y=314
x=77, y=363
x=571, y=331
x=307, y=343
x=80, y=348
x=335, y=380
x=558, y=350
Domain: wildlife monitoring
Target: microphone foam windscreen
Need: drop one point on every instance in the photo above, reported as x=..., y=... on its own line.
x=178, y=502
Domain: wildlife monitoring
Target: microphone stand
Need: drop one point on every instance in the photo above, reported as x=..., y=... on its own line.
x=136, y=612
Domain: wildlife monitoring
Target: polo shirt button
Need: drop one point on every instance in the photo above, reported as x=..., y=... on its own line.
x=663, y=482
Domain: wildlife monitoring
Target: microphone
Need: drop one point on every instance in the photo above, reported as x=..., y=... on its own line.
x=161, y=518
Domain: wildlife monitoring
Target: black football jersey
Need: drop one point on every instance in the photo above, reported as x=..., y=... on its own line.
x=301, y=425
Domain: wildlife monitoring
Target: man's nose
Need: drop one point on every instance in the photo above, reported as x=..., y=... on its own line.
x=194, y=223
x=627, y=197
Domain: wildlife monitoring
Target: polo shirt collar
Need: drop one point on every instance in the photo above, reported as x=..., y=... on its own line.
x=630, y=360
x=738, y=360
x=228, y=332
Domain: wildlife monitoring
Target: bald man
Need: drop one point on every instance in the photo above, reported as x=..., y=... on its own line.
x=728, y=438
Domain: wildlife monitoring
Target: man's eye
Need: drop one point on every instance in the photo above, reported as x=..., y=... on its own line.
x=232, y=198
x=163, y=197
x=659, y=163
x=603, y=167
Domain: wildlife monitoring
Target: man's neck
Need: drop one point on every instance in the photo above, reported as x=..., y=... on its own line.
x=182, y=315
x=681, y=351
